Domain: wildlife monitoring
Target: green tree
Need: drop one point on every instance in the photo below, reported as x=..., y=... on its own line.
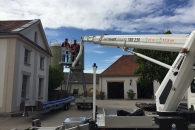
x=149, y=71
x=55, y=78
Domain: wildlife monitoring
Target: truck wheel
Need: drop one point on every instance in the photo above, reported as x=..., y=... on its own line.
x=78, y=107
x=65, y=107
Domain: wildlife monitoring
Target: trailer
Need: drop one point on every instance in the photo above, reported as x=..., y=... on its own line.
x=38, y=106
x=83, y=101
x=73, y=123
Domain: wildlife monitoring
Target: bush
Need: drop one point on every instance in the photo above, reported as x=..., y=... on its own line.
x=131, y=94
x=56, y=77
x=102, y=95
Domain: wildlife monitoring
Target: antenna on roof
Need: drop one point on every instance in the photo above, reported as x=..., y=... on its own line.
x=53, y=39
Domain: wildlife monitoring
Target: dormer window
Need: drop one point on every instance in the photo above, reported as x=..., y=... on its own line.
x=35, y=37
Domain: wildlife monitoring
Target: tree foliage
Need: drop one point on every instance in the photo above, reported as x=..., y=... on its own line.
x=55, y=78
x=149, y=71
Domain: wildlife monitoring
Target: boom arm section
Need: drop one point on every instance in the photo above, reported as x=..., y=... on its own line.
x=180, y=74
x=166, y=42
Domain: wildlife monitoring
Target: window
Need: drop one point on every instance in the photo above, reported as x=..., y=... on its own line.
x=24, y=86
x=27, y=57
x=40, y=88
x=42, y=63
x=35, y=37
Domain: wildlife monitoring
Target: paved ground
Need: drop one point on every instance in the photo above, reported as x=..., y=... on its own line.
x=55, y=118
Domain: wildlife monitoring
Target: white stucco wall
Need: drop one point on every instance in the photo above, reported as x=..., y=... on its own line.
x=25, y=68
x=17, y=68
x=103, y=84
x=34, y=68
x=35, y=72
x=126, y=81
x=31, y=33
x=42, y=73
x=3, y=49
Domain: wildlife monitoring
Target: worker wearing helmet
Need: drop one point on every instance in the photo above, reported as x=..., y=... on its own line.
x=67, y=46
x=74, y=50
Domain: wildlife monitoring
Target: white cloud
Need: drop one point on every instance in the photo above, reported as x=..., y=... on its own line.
x=112, y=59
x=99, y=52
x=122, y=15
x=52, y=33
x=94, y=49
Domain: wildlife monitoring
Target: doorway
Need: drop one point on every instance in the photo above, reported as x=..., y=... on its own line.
x=115, y=90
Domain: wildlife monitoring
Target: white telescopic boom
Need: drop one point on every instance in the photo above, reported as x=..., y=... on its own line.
x=180, y=74
x=150, y=59
x=166, y=42
x=79, y=55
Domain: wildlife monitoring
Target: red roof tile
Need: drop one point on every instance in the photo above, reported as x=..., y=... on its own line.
x=124, y=66
x=8, y=26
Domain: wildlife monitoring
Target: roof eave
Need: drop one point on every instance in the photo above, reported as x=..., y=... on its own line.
x=26, y=39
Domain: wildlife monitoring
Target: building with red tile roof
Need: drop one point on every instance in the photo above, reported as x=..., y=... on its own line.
x=124, y=66
x=116, y=80
x=119, y=78
x=24, y=56
x=9, y=26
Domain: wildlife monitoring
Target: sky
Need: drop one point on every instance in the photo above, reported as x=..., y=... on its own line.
x=73, y=19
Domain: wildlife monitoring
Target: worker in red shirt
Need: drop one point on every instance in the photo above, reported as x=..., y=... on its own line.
x=67, y=46
x=74, y=50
